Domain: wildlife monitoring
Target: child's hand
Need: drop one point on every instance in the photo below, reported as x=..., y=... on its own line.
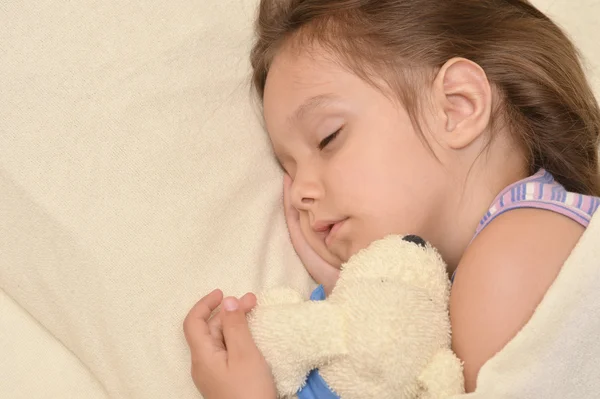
x=226, y=364
x=321, y=271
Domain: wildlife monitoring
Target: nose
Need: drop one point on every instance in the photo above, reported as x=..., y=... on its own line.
x=305, y=190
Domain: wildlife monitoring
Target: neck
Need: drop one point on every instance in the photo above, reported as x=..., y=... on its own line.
x=477, y=187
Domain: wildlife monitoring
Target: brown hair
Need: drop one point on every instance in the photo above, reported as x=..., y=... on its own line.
x=528, y=59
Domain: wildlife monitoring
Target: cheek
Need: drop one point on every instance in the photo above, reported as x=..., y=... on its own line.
x=367, y=176
x=391, y=188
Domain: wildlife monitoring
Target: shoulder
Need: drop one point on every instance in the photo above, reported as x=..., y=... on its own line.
x=502, y=278
x=521, y=241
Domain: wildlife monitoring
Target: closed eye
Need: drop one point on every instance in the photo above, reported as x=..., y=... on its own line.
x=328, y=139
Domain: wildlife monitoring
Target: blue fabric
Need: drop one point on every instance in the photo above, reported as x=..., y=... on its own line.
x=318, y=294
x=316, y=387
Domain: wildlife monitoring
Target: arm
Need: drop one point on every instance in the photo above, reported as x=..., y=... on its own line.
x=501, y=280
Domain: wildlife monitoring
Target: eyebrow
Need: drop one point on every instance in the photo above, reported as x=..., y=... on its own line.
x=310, y=105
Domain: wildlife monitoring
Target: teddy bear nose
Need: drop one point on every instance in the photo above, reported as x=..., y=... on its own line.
x=415, y=239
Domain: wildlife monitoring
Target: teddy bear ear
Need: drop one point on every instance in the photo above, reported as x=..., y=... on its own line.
x=415, y=239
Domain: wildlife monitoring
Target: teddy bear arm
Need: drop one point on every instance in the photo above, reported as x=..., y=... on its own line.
x=296, y=338
x=443, y=377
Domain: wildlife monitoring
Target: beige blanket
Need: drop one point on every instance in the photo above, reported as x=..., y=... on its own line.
x=135, y=177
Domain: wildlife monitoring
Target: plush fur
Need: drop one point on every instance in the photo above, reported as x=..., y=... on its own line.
x=384, y=332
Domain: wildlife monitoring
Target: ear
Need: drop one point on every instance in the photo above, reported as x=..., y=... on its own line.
x=463, y=95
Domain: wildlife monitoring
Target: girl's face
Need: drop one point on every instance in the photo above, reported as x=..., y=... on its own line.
x=359, y=169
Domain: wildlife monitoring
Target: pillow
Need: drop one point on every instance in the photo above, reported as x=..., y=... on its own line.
x=135, y=177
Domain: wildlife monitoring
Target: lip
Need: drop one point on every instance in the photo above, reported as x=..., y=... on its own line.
x=323, y=226
x=333, y=231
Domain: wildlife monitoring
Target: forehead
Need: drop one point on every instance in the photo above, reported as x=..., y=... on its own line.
x=298, y=83
x=301, y=67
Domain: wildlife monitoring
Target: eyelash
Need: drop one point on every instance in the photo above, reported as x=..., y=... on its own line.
x=329, y=139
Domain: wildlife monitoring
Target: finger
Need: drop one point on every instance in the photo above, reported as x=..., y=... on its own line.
x=287, y=181
x=289, y=210
x=299, y=241
x=215, y=326
x=292, y=219
x=247, y=302
x=195, y=325
x=321, y=270
x=238, y=338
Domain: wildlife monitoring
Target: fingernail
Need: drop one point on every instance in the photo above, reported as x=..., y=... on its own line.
x=230, y=304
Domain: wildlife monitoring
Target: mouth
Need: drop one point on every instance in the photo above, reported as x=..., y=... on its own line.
x=333, y=229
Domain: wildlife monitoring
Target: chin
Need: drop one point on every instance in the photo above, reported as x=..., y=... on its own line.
x=352, y=248
x=343, y=253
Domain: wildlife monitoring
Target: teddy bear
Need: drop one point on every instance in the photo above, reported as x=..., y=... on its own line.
x=383, y=332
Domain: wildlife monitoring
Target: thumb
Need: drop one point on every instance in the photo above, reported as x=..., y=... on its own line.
x=236, y=333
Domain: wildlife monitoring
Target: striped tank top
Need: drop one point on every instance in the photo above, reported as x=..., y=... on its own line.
x=541, y=191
